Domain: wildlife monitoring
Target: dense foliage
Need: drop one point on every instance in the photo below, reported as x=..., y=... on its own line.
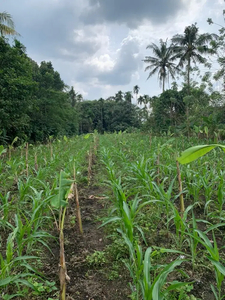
x=35, y=103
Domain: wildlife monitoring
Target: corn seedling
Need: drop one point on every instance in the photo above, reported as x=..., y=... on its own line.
x=215, y=259
x=11, y=265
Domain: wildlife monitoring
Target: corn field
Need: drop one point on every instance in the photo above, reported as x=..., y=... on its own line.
x=165, y=221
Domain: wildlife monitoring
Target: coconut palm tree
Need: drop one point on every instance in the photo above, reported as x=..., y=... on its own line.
x=136, y=90
x=190, y=46
x=162, y=63
x=6, y=24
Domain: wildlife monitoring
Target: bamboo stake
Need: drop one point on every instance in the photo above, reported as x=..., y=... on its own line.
x=77, y=200
x=180, y=189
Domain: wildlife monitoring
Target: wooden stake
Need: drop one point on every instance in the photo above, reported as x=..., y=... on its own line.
x=75, y=192
x=62, y=265
x=89, y=166
x=180, y=189
x=63, y=277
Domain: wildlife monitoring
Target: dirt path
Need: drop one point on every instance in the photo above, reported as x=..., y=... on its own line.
x=89, y=281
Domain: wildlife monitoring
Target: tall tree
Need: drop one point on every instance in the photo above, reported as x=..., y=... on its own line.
x=6, y=24
x=128, y=97
x=74, y=97
x=190, y=47
x=162, y=63
x=119, y=96
x=136, y=90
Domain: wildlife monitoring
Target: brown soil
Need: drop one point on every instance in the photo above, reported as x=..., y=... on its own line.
x=87, y=282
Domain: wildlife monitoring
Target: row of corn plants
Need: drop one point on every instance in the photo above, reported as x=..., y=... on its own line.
x=36, y=185
x=143, y=176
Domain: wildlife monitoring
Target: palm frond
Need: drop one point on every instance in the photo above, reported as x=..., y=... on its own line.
x=7, y=25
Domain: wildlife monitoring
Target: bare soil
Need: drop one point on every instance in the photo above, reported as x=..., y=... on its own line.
x=87, y=282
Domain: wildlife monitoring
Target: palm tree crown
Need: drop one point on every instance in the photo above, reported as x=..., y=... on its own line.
x=6, y=24
x=162, y=62
x=190, y=46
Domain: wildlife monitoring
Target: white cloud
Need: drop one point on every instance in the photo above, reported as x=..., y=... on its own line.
x=103, y=63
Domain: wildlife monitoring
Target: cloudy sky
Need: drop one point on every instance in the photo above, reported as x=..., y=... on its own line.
x=98, y=46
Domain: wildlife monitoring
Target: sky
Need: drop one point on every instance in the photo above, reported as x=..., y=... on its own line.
x=98, y=46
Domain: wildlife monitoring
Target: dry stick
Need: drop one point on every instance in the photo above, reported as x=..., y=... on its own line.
x=51, y=149
x=63, y=271
x=89, y=166
x=75, y=192
x=27, y=164
x=180, y=189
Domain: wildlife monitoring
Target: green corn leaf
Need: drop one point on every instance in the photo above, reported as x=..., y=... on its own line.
x=13, y=296
x=25, y=282
x=195, y=152
x=176, y=285
x=206, y=242
x=214, y=292
x=142, y=234
x=6, y=281
x=110, y=220
x=164, y=250
x=139, y=255
x=129, y=244
x=59, y=200
x=25, y=257
x=160, y=280
x=217, y=265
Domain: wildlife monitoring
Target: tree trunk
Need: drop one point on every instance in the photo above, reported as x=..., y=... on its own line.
x=188, y=74
x=163, y=84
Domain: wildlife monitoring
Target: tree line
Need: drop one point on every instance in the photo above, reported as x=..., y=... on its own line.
x=35, y=103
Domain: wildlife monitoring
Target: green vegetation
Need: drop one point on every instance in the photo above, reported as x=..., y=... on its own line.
x=166, y=251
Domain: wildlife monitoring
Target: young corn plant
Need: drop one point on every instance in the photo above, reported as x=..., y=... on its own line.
x=146, y=284
x=157, y=288
x=60, y=202
x=165, y=197
x=15, y=269
x=180, y=222
x=28, y=234
x=191, y=237
x=214, y=257
x=6, y=207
